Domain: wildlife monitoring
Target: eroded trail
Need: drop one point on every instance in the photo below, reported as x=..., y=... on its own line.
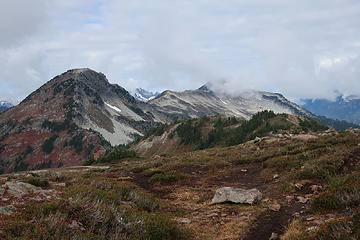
x=190, y=199
x=272, y=222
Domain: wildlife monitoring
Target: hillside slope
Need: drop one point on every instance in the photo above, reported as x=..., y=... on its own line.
x=207, y=132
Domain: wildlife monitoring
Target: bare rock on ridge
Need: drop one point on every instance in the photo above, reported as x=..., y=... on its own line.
x=236, y=195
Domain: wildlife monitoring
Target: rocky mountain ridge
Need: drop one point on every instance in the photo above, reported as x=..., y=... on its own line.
x=75, y=115
x=204, y=101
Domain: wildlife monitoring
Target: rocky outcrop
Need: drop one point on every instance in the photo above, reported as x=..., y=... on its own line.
x=7, y=210
x=19, y=189
x=236, y=195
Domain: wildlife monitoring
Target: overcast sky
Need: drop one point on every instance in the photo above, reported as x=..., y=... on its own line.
x=302, y=49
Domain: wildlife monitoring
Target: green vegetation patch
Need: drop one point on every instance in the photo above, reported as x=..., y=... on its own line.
x=48, y=145
x=93, y=208
x=116, y=154
x=38, y=182
x=342, y=193
x=166, y=177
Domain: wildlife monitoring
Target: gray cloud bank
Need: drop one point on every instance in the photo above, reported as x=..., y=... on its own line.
x=303, y=49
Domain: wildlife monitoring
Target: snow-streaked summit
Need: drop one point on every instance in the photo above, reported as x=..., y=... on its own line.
x=5, y=105
x=144, y=95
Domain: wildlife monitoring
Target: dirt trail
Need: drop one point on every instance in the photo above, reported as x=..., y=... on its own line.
x=272, y=222
x=244, y=176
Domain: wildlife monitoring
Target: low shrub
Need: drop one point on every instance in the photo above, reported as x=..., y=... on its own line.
x=339, y=196
x=166, y=177
x=341, y=229
x=38, y=182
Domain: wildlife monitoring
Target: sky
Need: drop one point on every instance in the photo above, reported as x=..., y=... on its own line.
x=302, y=49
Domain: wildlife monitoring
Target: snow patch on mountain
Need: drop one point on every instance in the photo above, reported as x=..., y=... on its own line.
x=113, y=107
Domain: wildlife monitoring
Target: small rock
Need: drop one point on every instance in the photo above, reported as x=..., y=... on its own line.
x=212, y=215
x=330, y=220
x=7, y=210
x=37, y=198
x=244, y=170
x=315, y=188
x=310, y=219
x=312, y=229
x=236, y=195
x=223, y=215
x=299, y=186
x=60, y=184
x=76, y=225
x=183, y=220
x=318, y=222
x=296, y=214
x=124, y=178
x=275, y=207
x=302, y=199
x=276, y=176
x=274, y=236
x=289, y=198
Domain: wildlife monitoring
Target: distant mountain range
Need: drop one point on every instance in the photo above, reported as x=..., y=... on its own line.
x=144, y=95
x=79, y=114
x=342, y=108
x=4, y=105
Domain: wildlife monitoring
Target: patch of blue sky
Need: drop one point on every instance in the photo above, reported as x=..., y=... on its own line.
x=95, y=14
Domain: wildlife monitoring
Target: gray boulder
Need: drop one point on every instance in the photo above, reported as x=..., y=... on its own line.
x=236, y=195
x=19, y=189
x=7, y=210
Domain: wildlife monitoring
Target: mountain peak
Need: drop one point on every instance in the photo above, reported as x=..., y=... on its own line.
x=145, y=95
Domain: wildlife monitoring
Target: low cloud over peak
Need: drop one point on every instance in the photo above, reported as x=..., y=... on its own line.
x=303, y=49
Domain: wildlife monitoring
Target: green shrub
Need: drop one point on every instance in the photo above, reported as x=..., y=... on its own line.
x=48, y=145
x=152, y=171
x=38, y=182
x=116, y=154
x=77, y=142
x=343, y=193
x=166, y=178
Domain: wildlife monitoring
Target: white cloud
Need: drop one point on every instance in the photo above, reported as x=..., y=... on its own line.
x=299, y=48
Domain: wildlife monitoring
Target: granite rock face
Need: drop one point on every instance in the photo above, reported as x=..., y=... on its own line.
x=236, y=195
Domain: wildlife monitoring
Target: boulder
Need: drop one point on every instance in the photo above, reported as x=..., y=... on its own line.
x=7, y=210
x=19, y=189
x=236, y=195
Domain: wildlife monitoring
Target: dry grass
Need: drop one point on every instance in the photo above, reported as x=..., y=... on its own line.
x=295, y=231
